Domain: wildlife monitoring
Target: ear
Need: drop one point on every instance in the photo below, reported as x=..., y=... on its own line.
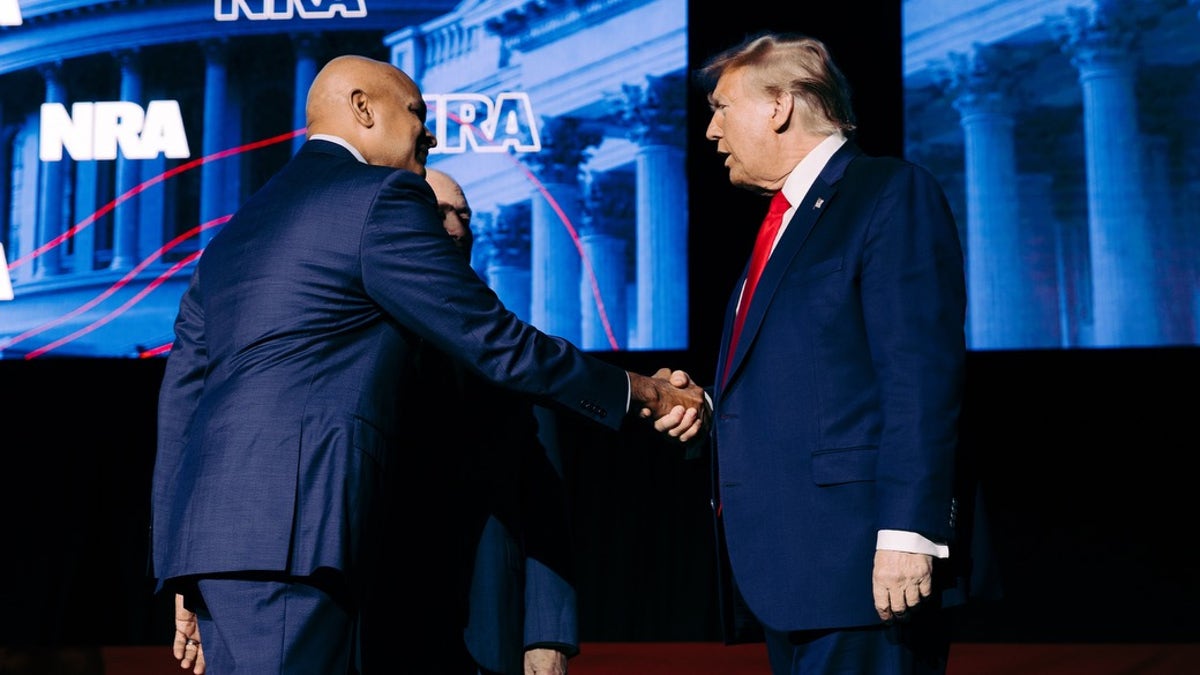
x=781, y=111
x=361, y=108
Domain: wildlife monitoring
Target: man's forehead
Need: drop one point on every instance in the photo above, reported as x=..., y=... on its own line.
x=407, y=88
x=727, y=85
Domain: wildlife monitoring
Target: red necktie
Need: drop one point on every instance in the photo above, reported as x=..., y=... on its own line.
x=758, y=260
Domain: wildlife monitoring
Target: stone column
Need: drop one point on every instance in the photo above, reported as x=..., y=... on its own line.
x=606, y=233
x=651, y=113
x=555, y=249
x=6, y=181
x=505, y=245
x=1101, y=44
x=152, y=207
x=51, y=187
x=216, y=93
x=125, y=216
x=1004, y=307
x=87, y=200
x=306, y=46
x=23, y=227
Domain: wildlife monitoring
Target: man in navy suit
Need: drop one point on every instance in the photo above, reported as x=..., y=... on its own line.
x=836, y=404
x=293, y=351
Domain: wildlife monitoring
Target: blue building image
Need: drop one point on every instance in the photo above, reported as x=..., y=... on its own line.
x=1065, y=132
x=130, y=132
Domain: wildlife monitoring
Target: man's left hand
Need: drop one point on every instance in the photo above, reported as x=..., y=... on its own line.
x=541, y=661
x=901, y=581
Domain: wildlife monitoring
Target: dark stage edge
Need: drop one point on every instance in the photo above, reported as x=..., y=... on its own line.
x=705, y=658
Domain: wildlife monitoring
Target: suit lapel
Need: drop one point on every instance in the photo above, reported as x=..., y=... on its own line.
x=727, y=329
x=814, y=204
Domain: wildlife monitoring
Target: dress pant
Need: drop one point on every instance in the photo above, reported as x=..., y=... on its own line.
x=262, y=626
x=919, y=645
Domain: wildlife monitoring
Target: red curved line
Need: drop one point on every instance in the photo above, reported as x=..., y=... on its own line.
x=158, y=281
x=156, y=351
x=562, y=216
x=587, y=263
x=116, y=286
x=170, y=173
x=187, y=166
x=138, y=189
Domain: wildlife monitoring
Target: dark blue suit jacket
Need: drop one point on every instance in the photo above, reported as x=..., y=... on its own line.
x=277, y=414
x=841, y=412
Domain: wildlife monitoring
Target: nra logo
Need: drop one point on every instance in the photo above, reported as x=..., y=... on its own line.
x=478, y=123
x=260, y=10
x=98, y=130
x=10, y=13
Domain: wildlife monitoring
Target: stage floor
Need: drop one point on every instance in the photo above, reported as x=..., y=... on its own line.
x=703, y=658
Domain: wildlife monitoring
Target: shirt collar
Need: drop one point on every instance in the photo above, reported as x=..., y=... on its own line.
x=806, y=172
x=340, y=141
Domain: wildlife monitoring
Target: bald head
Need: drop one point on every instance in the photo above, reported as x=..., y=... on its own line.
x=375, y=107
x=452, y=204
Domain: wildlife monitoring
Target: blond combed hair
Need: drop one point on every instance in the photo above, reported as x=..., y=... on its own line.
x=796, y=64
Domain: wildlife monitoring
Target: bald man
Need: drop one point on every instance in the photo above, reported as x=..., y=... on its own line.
x=293, y=350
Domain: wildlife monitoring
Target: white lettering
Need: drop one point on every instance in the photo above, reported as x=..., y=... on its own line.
x=117, y=123
x=10, y=13
x=164, y=132
x=465, y=122
x=98, y=130
x=62, y=129
x=258, y=10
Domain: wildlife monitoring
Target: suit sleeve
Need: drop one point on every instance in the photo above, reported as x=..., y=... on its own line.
x=182, y=385
x=914, y=304
x=414, y=271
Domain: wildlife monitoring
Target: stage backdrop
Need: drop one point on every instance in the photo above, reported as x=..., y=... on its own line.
x=129, y=132
x=1065, y=133
x=1084, y=456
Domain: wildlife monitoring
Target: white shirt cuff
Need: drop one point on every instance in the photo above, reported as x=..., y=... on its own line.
x=910, y=542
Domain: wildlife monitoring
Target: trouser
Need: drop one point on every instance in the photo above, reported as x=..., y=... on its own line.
x=919, y=645
x=284, y=626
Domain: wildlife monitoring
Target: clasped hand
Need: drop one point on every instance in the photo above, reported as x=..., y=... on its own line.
x=677, y=405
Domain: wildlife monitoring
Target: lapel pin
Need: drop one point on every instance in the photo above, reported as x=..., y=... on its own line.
x=820, y=201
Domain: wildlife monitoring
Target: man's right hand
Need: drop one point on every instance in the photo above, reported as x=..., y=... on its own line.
x=676, y=404
x=186, y=647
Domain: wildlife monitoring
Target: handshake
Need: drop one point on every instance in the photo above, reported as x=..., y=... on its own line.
x=677, y=405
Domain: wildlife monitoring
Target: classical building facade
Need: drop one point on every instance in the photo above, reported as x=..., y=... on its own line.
x=1065, y=132
x=130, y=131
x=586, y=235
